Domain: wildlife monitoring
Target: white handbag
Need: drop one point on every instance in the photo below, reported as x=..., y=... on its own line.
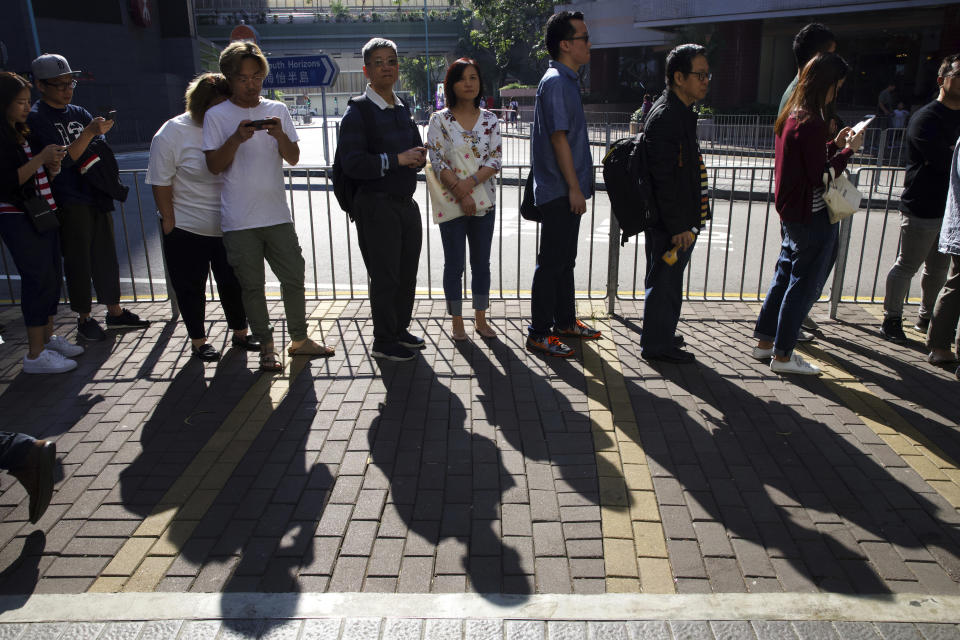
x=463, y=163
x=842, y=198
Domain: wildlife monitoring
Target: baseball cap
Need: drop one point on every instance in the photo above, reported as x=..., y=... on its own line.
x=51, y=65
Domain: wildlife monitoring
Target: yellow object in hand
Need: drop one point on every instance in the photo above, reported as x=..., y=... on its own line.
x=670, y=257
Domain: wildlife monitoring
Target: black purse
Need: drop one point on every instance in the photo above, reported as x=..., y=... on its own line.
x=528, y=210
x=37, y=209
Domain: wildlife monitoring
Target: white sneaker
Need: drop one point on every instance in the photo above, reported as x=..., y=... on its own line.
x=763, y=355
x=805, y=336
x=63, y=347
x=48, y=362
x=795, y=364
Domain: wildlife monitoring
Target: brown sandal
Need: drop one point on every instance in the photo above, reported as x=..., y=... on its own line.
x=311, y=349
x=270, y=362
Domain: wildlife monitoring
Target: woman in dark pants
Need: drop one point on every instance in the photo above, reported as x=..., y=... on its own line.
x=37, y=255
x=188, y=199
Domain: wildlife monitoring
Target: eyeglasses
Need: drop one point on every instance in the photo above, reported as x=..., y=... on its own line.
x=72, y=84
x=702, y=75
x=585, y=37
x=390, y=62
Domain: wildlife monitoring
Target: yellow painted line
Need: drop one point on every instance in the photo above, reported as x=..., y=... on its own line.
x=634, y=544
x=143, y=560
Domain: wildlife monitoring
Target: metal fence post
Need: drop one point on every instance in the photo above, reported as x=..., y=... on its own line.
x=613, y=265
x=840, y=267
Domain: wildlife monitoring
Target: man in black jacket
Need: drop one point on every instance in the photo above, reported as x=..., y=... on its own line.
x=679, y=182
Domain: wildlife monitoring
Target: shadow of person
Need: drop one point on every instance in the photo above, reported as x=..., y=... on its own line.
x=780, y=478
x=20, y=577
x=267, y=514
x=446, y=480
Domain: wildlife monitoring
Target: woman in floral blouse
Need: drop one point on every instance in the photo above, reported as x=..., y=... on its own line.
x=465, y=149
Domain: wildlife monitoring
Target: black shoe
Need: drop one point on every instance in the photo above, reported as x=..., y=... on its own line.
x=892, y=330
x=36, y=476
x=411, y=341
x=248, y=342
x=395, y=352
x=126, y=320
x=922, y=324
x=206, y=352
x=678, y=340
x=674, y=355
x=90, y=330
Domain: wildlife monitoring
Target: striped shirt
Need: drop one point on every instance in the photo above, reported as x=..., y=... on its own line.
x=43, y=187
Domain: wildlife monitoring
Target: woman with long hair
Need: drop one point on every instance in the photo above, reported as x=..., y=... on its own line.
x=188, y=200
x=804, y=151
x=464, y=128
x=24, y=177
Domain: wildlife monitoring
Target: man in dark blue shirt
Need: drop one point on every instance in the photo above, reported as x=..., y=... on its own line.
x=562, y=182
x=385, y=159
x=86, y=230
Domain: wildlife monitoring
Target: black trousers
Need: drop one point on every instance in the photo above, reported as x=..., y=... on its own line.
x=14, y=448
x=389, y=233
x=189, y=258
x=89, y=253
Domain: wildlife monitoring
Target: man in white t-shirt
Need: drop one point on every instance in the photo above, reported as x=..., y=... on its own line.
x=246, y=140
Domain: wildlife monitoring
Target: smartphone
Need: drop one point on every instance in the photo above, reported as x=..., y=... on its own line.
x=259, y=124
x=110, y=115
x=863, y=124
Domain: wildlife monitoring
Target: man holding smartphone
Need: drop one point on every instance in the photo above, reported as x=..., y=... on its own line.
x=246, y=139
x=84, y=212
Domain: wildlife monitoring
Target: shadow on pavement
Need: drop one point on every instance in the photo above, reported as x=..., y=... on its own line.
x=20, y=577
x=446, y=481
x=783, y=481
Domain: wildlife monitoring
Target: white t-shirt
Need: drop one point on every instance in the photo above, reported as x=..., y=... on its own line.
x=176, y=160
x=253, y=194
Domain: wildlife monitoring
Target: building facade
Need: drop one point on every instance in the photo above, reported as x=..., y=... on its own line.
x=749, y=45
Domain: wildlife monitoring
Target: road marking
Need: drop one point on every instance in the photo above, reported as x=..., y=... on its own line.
x=143, y=560
x=634, y=543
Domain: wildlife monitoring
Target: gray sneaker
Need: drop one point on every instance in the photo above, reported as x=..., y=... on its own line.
x=90, y=330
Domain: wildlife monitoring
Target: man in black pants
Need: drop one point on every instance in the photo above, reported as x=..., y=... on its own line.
x=86, y=223
x=388, y=220
x=679, y=182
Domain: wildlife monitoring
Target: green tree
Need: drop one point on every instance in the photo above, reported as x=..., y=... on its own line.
x=413, y=75
x=506, y=38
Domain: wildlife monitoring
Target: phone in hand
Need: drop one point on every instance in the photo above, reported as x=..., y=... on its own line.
x=110, y=115
x=863, y=124
x=259, y=124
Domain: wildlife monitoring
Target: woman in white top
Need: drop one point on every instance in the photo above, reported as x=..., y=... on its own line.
x=464, y=128
x=188, y=199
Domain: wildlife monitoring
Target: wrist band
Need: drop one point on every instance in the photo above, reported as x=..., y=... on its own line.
x=475, y=181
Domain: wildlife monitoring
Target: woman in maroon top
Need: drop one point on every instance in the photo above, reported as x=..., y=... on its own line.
x=804, y=149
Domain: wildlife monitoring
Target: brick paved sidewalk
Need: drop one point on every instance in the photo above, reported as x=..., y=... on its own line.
x=482, y=468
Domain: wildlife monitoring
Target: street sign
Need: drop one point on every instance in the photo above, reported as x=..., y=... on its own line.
x=301, y=71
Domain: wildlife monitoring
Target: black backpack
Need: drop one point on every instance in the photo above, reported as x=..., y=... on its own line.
x=345, y=187
x=628, y=186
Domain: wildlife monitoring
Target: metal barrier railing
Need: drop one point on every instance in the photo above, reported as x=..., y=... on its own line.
x=734, y=258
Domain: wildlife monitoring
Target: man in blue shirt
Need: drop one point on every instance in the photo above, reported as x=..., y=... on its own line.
x=562, y=182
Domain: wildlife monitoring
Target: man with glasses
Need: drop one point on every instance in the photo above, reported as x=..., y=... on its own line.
x=86, y=226
x=679, y=184
x=381, y=149
x=930, y=139
x=562, y=181
x=246, y=139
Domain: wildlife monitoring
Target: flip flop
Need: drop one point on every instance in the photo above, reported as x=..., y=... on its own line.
x=270, y=362
x=311, y=349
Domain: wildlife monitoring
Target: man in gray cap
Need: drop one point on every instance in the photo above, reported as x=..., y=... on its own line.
x=86, y=237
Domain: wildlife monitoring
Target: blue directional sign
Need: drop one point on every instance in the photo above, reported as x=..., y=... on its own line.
x=301, y=71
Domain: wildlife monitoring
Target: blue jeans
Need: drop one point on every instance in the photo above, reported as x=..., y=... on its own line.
x=552, y=303
x=804, y=257
x=455, y=234
x=37, y=256
x=664, y=292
